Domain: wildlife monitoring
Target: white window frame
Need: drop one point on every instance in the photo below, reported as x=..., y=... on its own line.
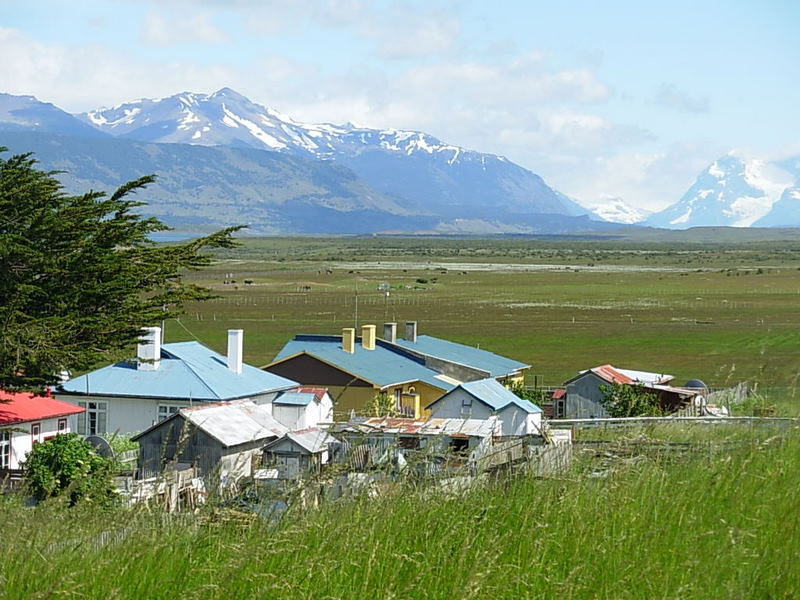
x=5, y=449
x=165, y=411
x=94, y=417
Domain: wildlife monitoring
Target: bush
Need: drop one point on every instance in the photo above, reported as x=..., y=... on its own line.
x=67, y=466
x=629, y=400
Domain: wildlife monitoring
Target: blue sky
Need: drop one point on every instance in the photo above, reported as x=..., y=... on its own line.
x=615, y=98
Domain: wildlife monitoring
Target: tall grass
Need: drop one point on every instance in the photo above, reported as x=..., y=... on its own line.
x=694, y=528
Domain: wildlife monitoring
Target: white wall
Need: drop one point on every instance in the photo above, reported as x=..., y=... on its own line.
x=304, y=417
x=452, y=407
x=133, y=415
x=515, y=421
x=22, y=441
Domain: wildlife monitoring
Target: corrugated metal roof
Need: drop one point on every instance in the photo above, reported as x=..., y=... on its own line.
x=431, y=427
x=234, y=423
x=494, y=364
x=313, y=439
x=187, y=370
x=616, y=375
x=16, y=407
x=494, y=395
x=381, y=367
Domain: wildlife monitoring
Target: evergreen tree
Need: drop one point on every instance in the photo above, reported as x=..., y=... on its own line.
x=79, y=275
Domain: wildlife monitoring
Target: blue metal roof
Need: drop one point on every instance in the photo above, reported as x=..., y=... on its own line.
x=381, y=367
x=494, y=395
x=494, y=364
x=187, y=370
x=294, y=398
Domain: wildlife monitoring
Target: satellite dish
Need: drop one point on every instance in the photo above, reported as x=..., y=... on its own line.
x=100, y=445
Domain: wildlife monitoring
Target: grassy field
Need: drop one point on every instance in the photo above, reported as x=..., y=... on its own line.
x=648, y=528
x=651, y=511
x=722, y=312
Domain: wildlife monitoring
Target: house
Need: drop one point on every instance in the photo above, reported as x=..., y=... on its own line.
x=220, y=440
x=303, y=407
x=298, y=452
x=355, y=370
x=459, y=361
x=26, y=419
x=132, y=395
x=584, y=391
x=487, y=399
x=413, y=371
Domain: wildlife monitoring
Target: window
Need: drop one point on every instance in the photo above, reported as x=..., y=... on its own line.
x=167, y=410
x=398, y=398
x=5, y=449
x=466, y=401
x=36, y=432
x=62, y=426
x=93, y=421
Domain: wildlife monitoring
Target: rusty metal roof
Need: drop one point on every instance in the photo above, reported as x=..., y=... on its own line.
x=431, y=427
x=613, y=374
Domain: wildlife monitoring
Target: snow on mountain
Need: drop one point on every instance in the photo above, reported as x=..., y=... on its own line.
x=407, y=164
x=785, y=212
x=616, y=210
x=226, y=118
x=732, y=191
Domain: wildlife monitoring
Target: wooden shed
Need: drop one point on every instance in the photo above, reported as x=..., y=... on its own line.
x=220, y=440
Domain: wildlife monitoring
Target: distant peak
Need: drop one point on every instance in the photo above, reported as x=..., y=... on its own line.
x=227, y=93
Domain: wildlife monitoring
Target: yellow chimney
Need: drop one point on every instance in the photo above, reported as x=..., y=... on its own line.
x=368, y=337
x=349, y=340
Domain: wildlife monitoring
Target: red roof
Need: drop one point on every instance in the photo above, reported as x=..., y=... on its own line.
x=559, y=393
x=319, y=393
x=611, y=375
x=17, y=407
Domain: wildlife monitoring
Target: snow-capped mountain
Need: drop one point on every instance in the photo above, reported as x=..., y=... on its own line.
x=408, y=164
x=223, y=160
x=732, y=191
x=226, y=118
x=616, y=210
x=785, y=212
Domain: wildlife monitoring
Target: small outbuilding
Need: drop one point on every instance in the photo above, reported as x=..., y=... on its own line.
x=487, y=399
x=219, y=440
x=303, y=407
x=298, y=453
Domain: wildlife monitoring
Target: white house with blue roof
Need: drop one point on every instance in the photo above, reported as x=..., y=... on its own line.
x=488, y=398
x=130, y=396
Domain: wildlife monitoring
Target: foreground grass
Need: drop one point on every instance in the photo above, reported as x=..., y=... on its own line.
x=689, y=529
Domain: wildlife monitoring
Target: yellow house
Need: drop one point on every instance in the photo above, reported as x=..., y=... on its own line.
x=412, y=372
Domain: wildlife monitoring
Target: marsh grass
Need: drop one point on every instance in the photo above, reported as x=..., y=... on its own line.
x=651, y=528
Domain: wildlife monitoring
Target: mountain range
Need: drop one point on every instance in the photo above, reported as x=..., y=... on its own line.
x=222, y=159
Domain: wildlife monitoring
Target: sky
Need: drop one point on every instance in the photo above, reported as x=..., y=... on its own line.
x=613, y=98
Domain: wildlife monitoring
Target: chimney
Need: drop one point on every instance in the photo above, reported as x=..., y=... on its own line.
x=390, y=332
x=411, y=331
x=349, y=340
x=235, y=350
x=368, y=337
x=148, y=351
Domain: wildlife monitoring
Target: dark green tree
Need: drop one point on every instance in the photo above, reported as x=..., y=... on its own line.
x=629, y=400
x=68, y=465
x=79, y=275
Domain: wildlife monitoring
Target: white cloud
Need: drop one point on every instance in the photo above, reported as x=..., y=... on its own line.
x=670, y=96
x=169, y=29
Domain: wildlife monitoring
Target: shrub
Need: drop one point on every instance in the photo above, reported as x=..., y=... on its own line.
x=629, y=400
x=67, y=466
